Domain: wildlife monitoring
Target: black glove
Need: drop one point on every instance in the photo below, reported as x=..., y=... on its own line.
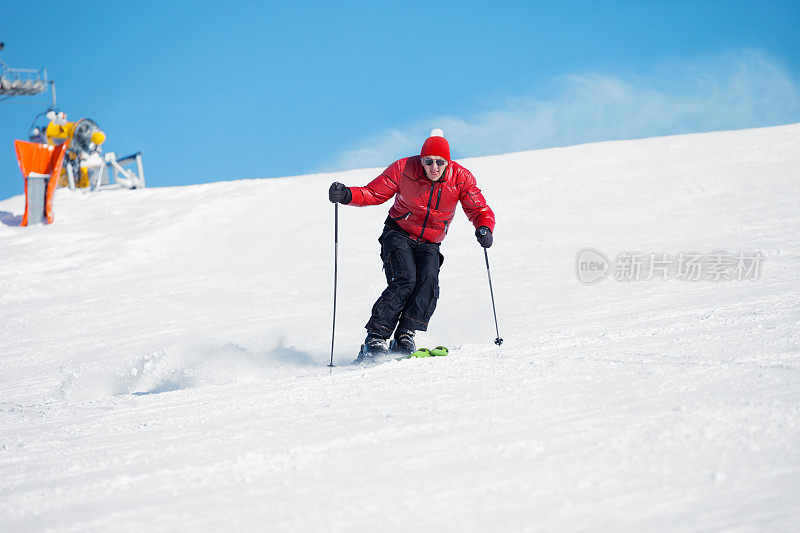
x=484, y=236
x=339, y=193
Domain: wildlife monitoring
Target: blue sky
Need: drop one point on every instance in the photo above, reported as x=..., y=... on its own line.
x=211, y=91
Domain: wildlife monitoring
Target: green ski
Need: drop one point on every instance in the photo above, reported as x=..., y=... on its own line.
x=439, y=351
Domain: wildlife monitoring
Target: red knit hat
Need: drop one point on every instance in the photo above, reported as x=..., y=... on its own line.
x=436, y=145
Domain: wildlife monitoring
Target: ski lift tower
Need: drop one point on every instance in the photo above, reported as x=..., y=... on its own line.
x=16, y=81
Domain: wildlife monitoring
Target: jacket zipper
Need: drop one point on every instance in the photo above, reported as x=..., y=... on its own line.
x=428, y=212
x=438, y=197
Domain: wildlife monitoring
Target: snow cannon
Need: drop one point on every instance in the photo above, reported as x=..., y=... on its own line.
x=40, y=165
x=85, y=165
x=85, y=134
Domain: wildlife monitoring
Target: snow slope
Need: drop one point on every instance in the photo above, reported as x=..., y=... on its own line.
x=163, y=351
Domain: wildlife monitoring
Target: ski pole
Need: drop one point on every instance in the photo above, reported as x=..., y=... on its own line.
x=335, y=272
x=498, y=341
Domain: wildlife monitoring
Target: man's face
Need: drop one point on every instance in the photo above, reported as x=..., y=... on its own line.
x=434, y=166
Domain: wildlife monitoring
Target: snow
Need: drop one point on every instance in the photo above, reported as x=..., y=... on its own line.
x=163, y=352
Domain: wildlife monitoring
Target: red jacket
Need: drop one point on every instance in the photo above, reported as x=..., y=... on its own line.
x=422, y=207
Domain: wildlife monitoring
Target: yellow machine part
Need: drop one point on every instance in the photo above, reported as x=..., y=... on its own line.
x=60, y=133
x=83, y=181
x=57, y=133
x=63, y=181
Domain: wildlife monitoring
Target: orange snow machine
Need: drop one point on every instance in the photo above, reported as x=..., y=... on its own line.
x=41, y=167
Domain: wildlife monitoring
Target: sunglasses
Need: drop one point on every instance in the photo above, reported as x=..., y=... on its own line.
x=439, y=162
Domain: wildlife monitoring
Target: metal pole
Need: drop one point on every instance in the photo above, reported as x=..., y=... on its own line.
x=335, y=272
x=498, y=341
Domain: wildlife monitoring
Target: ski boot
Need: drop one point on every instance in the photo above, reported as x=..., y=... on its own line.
x=403, y=342
x=374, y=349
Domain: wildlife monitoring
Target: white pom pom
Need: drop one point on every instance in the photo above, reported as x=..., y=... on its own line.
x=436, y=133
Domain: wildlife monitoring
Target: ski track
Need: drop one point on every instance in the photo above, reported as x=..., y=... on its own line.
x=163, y=356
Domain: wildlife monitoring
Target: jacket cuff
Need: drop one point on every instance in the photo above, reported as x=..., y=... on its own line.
x=488, y=223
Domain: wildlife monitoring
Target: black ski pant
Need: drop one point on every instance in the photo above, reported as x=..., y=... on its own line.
x=412, y=274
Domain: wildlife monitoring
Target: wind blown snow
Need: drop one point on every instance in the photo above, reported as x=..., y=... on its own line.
x=163, y=352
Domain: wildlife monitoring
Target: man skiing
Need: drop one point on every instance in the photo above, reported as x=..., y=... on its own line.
x=426, y=188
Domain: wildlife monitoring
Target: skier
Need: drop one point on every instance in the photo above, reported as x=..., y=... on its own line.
x=427, y=188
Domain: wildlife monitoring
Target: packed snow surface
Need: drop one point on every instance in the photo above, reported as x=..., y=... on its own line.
x=163, y=354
